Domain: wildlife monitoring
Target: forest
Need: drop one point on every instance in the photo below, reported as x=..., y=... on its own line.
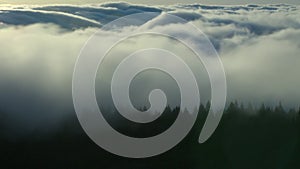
x=247, y=137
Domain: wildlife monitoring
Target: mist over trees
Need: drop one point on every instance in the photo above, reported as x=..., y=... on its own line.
x=247, y=137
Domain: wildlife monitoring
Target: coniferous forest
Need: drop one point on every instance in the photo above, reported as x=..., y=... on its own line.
x=247, y=137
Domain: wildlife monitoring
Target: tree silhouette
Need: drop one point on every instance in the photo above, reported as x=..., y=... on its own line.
x=246, y=138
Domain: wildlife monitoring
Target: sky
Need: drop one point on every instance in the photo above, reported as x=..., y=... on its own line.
x=162, y=2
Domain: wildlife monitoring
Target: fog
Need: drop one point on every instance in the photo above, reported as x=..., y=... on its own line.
x=258, y=45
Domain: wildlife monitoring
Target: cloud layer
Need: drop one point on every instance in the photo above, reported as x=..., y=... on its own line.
x=258, y=44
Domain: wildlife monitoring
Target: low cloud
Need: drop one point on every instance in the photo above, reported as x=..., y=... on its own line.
x=258, y=44
x=36, y=70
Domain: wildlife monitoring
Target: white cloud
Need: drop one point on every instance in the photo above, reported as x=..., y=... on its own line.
x=259, y=46
x=35, y=70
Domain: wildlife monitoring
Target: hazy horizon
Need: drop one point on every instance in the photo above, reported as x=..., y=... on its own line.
x=168, y=2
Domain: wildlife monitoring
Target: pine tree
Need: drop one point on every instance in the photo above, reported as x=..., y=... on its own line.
x=262, y=110
x=250, y=108
x=232, y=109
x=279, y=108
x=207, y=107
x=201, y=109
